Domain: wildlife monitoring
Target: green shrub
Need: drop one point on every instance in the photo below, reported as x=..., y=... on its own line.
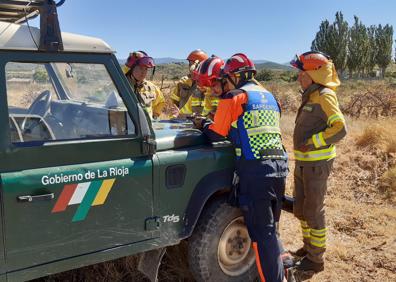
x=40, y=76
x=265, y=75
x=289, y=76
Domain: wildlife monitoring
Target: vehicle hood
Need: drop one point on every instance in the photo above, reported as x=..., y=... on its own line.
x=173, y=135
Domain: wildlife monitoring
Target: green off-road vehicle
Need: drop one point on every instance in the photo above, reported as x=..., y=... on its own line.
x=87, y=177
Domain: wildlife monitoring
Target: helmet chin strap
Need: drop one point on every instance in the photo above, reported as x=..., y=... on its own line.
x=223, y=83
x=242, y=81
x=138, y=83
x=232, y=81
x=131, y=73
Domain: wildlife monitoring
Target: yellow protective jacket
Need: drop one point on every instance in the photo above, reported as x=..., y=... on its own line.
x=150, y=96
x=319, y=122
x=187, y=97
x=210, y=104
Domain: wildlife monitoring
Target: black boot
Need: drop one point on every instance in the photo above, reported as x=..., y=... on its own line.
x=289, y=275
x=308, y=265
x=301, y=252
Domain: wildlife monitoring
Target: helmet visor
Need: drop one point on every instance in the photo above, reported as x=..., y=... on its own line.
x=296, y=62
x=147, y=62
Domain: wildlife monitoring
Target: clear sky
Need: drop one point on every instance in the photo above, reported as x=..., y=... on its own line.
x=271, y=30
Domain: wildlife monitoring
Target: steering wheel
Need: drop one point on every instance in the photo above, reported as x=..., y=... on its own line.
x=40, y=106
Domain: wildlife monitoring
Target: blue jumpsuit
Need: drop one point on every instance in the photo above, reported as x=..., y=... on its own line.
x=250, y=117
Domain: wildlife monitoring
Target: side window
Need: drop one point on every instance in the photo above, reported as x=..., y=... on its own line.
x=60, y=101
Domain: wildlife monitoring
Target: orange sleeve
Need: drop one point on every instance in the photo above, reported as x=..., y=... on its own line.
x=228, y=111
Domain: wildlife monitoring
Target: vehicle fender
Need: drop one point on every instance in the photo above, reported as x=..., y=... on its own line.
x=210, y=184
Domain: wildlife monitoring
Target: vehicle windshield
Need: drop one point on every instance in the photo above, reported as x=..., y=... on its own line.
x=61, y=101
x=90, y=83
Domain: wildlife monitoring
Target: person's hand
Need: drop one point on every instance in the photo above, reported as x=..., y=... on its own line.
x=304, y=148
x=211, y=116
x=198, y=121
x=307, y=146
x=174, y=112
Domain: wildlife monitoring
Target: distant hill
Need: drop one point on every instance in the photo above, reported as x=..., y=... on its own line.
x=161, y=61
x=273, y=66
x=260, y=64
x=257, y=62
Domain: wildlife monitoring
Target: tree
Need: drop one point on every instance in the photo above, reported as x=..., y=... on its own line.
x=372, y=50
x=332, y=39
x=321, y=41
x=40, y=76
x=358, y=48
x=384, y=41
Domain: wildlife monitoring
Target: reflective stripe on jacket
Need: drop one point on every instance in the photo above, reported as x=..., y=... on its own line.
x=319, y=125
x=211, y=103
x=256, y=133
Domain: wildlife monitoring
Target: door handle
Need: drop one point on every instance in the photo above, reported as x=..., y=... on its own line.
x=35, y=198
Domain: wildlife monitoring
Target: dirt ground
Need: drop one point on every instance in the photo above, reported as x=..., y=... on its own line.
x=360, y=201
x=360, y=212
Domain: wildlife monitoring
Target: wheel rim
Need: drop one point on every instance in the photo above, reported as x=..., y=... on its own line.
x=235, y=255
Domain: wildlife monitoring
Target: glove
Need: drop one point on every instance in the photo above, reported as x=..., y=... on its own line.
x=306, y=147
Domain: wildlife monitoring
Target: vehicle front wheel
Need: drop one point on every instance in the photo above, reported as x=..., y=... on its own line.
x=220, y=247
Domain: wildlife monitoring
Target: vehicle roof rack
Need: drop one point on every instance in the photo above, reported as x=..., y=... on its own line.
x=20, y=11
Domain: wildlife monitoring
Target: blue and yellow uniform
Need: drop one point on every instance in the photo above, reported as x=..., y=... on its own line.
x=250, y=117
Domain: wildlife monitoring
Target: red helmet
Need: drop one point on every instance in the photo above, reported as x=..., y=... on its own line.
x=238, y=63
x=312, y=60
x=139, y=58
x=197, y=55
x=208, y=70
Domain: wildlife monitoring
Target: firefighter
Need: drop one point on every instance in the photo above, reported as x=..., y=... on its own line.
x=187, y=97
x=148, y=94
x=208, y=79
x=249, y=115
x=319, y=125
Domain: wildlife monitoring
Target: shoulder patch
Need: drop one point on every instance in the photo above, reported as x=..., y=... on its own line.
x=326, y=91
x=307, y=108
x=151, y=86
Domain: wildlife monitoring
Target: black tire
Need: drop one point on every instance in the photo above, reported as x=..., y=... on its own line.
x=218, y=222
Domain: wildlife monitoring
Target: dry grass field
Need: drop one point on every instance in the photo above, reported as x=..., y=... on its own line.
x=361, y=212
x=361, y=197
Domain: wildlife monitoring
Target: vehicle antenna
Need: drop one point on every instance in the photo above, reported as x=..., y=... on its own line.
x=27, y=22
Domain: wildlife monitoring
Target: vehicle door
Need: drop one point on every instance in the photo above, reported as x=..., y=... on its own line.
x=74, y=177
